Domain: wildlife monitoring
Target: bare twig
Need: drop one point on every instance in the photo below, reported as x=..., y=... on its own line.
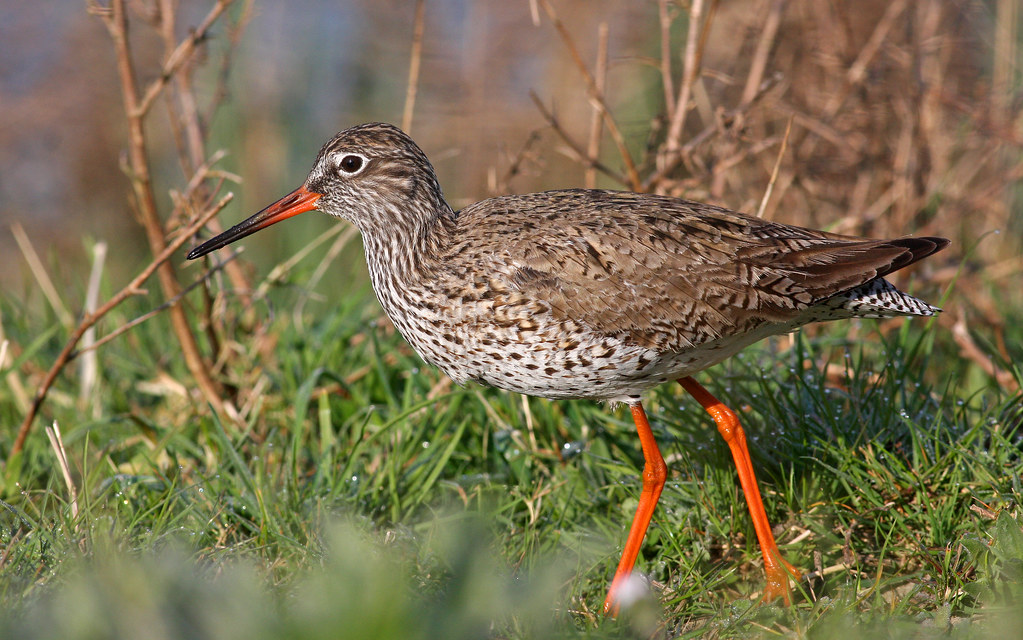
x=667, y=81
x=669, y=164
x=132, y=288
x=857, y=71
x=578, y=153
x=128, y=326
x=969, y=349
x=763, y=51
x=591, y=85
x=596, y=130
x=1005, y=63
x=515, y=165
x=233, y=34
x=190, y=129
x=413, y=67
x=177, y=58
x=690, y=69
x=116, y=21
x=195, y=185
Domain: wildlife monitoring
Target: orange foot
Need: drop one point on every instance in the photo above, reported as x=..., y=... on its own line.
x=778, y=573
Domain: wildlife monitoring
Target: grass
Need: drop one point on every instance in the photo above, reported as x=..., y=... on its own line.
x=369, y=498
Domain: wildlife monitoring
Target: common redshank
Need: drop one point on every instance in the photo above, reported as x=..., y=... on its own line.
x=590, y=293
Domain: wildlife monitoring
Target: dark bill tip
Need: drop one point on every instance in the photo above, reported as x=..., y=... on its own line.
x=298, y=201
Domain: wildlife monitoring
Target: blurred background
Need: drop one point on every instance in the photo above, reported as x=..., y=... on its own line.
x=874, y=117
x=905, y=115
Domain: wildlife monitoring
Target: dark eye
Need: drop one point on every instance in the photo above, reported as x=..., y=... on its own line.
x=351, y=163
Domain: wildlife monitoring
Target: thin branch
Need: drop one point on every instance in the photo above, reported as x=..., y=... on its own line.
x=516, y=163
x=670, y=163
x=204, y=172
x=666, y=79
x=131, y=289
x=968, y=349
x=596, y=130
x=579, y=154
x=858, y=70
x=763, y=51
x=178, y=57
x=116, y=21
x=233, y=34
x=413, y=67
x=634, y=180
x=690, y=71
x=153, y=312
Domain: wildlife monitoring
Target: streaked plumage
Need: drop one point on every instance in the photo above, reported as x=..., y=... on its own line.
x=587, y=293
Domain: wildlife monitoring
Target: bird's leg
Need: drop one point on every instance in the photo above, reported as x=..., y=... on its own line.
x=777, y=569
x=654, y=474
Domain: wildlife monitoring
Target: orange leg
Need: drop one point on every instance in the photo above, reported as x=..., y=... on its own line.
x=778, y=571
x=654, y=474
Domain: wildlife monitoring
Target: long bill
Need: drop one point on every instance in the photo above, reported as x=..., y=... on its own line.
x=298, y=201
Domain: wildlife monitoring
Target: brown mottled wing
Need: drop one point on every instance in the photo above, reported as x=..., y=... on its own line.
x=673, y=274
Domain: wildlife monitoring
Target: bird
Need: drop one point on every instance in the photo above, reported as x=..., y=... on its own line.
x=591, y=293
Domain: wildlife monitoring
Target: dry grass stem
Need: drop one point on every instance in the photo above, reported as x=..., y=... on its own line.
x=88, y=366
x=774, y=171
x=321, y=269
x=57, y=444
x=14, y=384
x=281, y=270
x=35, y=265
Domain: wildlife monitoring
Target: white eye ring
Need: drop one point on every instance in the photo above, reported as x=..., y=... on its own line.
x=351, y=163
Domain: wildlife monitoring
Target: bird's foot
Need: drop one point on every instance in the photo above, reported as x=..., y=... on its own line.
x=778, y=573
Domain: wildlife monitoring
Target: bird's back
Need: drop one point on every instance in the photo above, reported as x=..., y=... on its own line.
x=566, y=289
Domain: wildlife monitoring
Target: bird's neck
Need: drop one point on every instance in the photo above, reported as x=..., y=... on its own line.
x=406, y=254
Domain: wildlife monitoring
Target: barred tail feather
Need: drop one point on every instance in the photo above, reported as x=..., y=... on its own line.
x=880, y=299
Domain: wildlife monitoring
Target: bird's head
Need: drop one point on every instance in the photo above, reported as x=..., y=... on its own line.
x=372, y=175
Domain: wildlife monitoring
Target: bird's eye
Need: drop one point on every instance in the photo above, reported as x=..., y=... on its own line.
x=351, y=163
